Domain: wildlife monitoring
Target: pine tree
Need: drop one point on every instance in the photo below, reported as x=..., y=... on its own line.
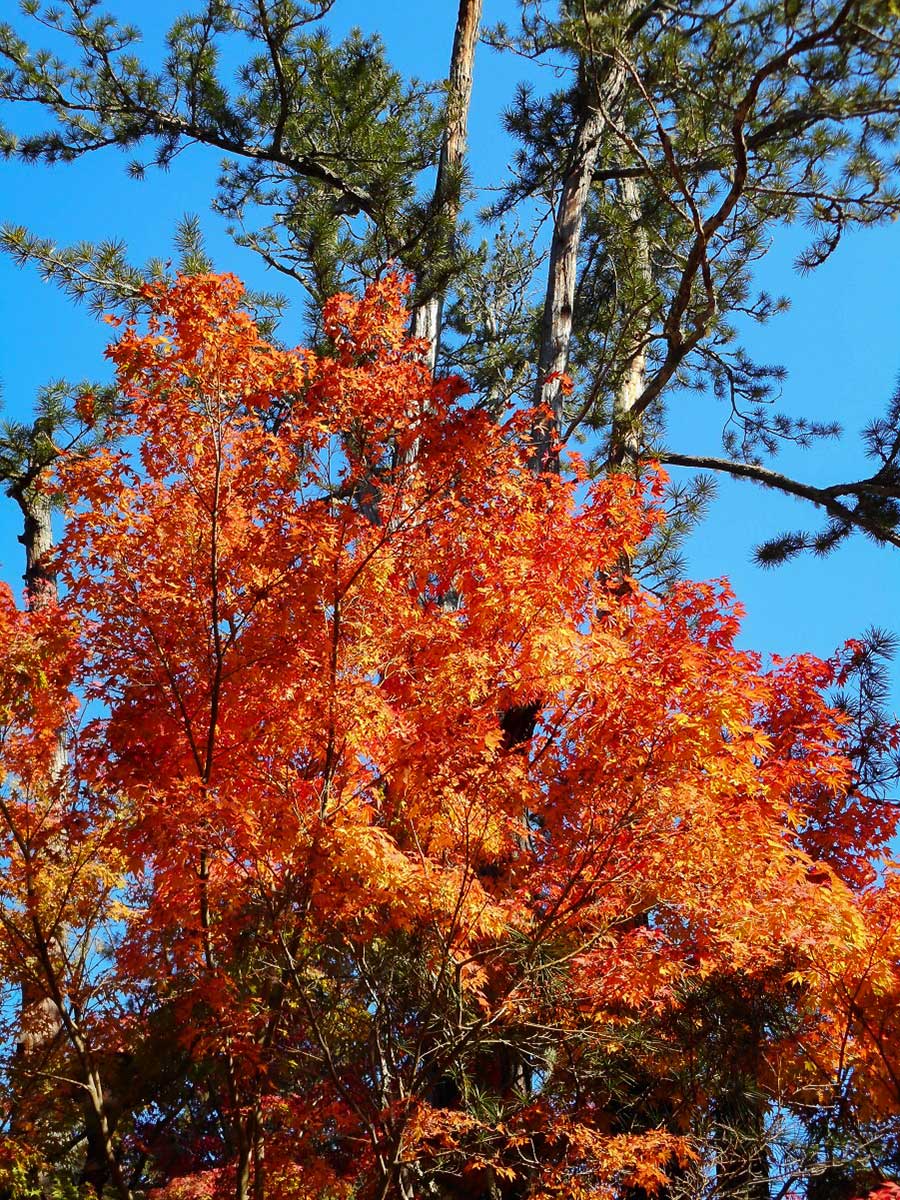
x=683, y=139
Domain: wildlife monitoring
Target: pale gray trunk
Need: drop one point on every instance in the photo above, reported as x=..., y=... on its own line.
x=425, y=323
x=601, y=100
x=562, y=275
x=602, y=93
x=626, y=437
x=426, y=317
x=40, y=1021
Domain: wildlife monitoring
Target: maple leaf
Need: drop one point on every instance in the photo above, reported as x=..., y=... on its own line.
x=414, y=826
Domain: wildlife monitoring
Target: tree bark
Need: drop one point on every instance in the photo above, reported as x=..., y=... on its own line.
x=37, y=538
x=625, y=436
x=601, y=96
x=445, y=204
x=562, y=274
x=40, y=1021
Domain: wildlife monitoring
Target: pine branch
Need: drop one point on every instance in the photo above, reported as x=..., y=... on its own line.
x=825, y=498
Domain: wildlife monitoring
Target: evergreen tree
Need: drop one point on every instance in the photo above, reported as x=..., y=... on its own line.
x=682, y=138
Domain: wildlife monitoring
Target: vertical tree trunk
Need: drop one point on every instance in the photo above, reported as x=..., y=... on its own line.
x=625, y=436
x=40, y=1020
x=562, y=274
x=37, y=538
x=601, y=98
x=251, y=1171
x=445, y=205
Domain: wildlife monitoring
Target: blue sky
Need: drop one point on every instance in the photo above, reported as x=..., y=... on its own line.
x=840, y=341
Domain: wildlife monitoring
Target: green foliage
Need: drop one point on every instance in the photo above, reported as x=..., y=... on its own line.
x=870, y=504
x=324, y=143
x=69, y=417
x=717, y=125
x=102, y=276
x=769, y=114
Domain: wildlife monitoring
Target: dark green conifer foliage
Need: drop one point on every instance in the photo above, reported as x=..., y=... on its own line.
x=685, y=136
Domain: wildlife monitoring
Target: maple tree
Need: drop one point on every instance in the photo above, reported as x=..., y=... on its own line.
x=405, y=845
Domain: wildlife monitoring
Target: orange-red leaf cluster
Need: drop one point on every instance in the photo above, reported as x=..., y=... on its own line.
x=408, y=794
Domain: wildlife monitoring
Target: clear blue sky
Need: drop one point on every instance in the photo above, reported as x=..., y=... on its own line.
x=840, y=341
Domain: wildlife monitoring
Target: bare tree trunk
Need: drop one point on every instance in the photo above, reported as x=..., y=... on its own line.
x=625, y=436
x=601, y=98
x=556, y=323
x=40, y=1020
x=37, y=538
x=445, y=205
x=426, y=324
x=251, y=1174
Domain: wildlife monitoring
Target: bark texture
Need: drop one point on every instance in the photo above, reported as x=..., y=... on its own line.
x=602, y=91
x=626, y=435
x=40, y=1021
x=445, y=205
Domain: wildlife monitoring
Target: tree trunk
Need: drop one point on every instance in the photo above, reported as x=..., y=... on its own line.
x=40, y=1020
x=556, y=323
x=37, y=538
x=445, y=204
x=601, y=98
x=625, y=437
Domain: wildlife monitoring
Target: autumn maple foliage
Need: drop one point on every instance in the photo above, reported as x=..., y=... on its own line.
x=406, y=846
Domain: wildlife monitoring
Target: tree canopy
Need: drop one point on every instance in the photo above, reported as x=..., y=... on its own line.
x=381, y=813
x=679, y=140
x=413, y=849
